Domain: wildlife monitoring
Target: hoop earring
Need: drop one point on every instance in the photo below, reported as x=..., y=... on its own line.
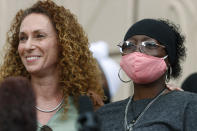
x=169, y=72
x=167, y=79
x=121, y=78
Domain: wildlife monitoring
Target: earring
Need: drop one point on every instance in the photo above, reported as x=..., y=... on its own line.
x=121, y=78
x=169, y=72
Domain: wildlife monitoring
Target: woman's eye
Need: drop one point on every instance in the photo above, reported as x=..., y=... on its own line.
x=128, y=45
x=40, y=36
x=151, y=45
x=22, y=38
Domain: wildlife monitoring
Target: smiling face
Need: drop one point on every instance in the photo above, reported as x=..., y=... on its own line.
x=38, y=46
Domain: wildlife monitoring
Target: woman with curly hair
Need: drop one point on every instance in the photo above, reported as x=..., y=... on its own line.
x=47, y=45
x=151, y=54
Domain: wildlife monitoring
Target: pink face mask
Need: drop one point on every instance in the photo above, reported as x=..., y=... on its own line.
x=142, y=68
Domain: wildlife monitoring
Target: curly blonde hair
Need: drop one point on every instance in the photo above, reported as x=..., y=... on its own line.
x=79, y=73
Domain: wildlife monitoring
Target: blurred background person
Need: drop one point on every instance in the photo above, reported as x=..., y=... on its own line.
x=17, y=105
x=109, y=69
x=190, y=83
x=47, y=45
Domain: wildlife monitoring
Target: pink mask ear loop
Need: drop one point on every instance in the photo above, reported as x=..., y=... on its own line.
x=165, y=57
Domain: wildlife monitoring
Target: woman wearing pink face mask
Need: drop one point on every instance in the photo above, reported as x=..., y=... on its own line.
x=151, y=54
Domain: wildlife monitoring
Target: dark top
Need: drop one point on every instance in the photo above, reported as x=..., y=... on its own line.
x=174, y=111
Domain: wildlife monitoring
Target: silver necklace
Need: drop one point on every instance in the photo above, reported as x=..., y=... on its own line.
x=129, y=127
x=48, y=111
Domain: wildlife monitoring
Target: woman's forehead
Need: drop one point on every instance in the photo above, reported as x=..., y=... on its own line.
x=141, y=37
x=35, y=21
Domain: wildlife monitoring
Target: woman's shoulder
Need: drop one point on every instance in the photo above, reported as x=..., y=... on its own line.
x=111, y=115
x=112, y=107
x=182, y=97
x=183, y=94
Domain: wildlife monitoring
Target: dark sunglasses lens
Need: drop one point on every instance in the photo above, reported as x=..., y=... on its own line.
x=46, y=128
x=128, y=47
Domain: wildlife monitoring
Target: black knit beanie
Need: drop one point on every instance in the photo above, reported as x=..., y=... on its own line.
x=157, y=30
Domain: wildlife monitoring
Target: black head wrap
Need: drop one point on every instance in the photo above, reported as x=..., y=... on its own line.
x=157, y=30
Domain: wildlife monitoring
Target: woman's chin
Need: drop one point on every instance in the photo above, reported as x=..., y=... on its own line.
x=33, y=70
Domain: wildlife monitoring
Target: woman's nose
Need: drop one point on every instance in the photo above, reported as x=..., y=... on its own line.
x=29, y=44
x=138, y=47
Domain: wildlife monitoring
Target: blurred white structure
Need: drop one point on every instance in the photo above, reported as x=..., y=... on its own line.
x=109, y=66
